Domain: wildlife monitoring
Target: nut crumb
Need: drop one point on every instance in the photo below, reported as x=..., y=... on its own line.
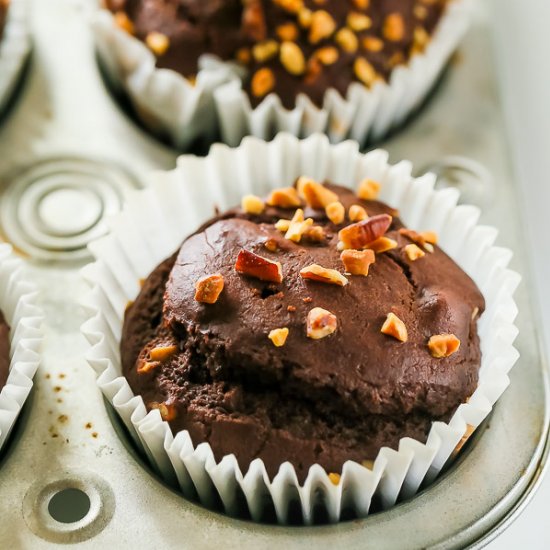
x=315, y=194
x=443, y=345
x=278, y=336
x=298, y=226
x=320, y=323
x=162, y=353
x=209, y=288
x=393, y=326
x=368, y=189
x=358, y=262
x=413, y=252
x=252, y=204
x=157, y=42
x=262, y=82
x=291, y=309
x=321, y=274
x=147, y=366
x=167, y=412
x=335, y=212
x=334, y=478
x=357, y=213
x=285, y=197
x=383, y=244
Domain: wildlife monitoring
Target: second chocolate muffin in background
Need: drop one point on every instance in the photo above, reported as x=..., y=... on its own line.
x=288, y=46
x=315, y=329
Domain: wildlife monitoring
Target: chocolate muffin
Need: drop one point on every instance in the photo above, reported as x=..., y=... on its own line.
x=312, y=327
x=288, y=46
x=4, y=350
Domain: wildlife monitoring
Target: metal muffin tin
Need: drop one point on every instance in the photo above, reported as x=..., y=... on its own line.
x=69, y=155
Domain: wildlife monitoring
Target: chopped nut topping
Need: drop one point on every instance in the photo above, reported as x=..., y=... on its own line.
x=264, y=51
x=320, y=323
x=361, y=4
x=383, y=244
x=321, y=274
x=253, y=21
x=314, y=234
x=357, y=213
x=364, y=71
x=291, y=309
x=162, y=353
x=147, y=366
x=359, y=235
x=209, y=288
x=335, y=212
x=291, y=6
x=393, y=326
x=368, y=189
x=286, y=197
x=307, y=300
x=347, y=40
x=124, y=22
x=322, y=26
x=287, y=32
x=394, y=27
x=443, y=345
x=334, y=478
x=282, y=225
x=305, y=18
x=292, y=58
x=358, y=21
x=357, y=262
x=262, y=82
x=315, y=194
x=421, y=12
x=243, y=55
x=327, y=55
x=157, y=42
x=278, y=336
x=298, y=226
x=413, y=252
x=373, y=44
x=167, y=412
x=258, y=267
x=421, y=39
x=429, y=236
x=271, y=245
x=252, y=204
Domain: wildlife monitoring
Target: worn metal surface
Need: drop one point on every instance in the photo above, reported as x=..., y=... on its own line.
x=66, y=438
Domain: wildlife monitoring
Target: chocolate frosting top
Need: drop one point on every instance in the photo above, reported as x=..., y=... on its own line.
x=357, y=369
x=386, y=34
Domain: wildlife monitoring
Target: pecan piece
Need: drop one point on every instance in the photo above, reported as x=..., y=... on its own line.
x=347, y=40
x=262, y=82
x=334, y=478
x=278, y=336
x=292, y=58
x=314, y=234
x=368, y=189
x=364, y=71
x=320, y=323
x=357, y=213
x=258, y=267
x=358, y=21
x=315, y=272
x=315, y=194
x=360, y=234
x=357, y=262
x=162, y=353
x=252, y=204
x=298, y=226
x=147, y=366
x=413, y=252
x=167, y=412
x=157, y=42
x=394, y=27
x=209, y=288
x=335, y=212
x=393, y=326
x=383, y=244
x=286, y=197
x=321, y=27
x=443, y=345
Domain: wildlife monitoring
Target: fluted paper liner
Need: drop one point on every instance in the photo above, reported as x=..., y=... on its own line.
x=15, y=47
x=18, y=303
x=171, y=106
x=157, y=220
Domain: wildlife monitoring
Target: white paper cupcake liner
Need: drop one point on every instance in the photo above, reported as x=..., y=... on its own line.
x=158, y=219
x=169, y=105
x=15, y=47
x=18, y=303
x=166, y=102
x=365, y=114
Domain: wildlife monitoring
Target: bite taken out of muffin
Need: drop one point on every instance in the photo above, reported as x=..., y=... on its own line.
x=311, y=327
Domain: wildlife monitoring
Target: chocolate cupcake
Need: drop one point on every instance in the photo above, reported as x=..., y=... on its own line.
x=300, y=51
x=4, y=350
x=307, y=350
x=299, y=333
